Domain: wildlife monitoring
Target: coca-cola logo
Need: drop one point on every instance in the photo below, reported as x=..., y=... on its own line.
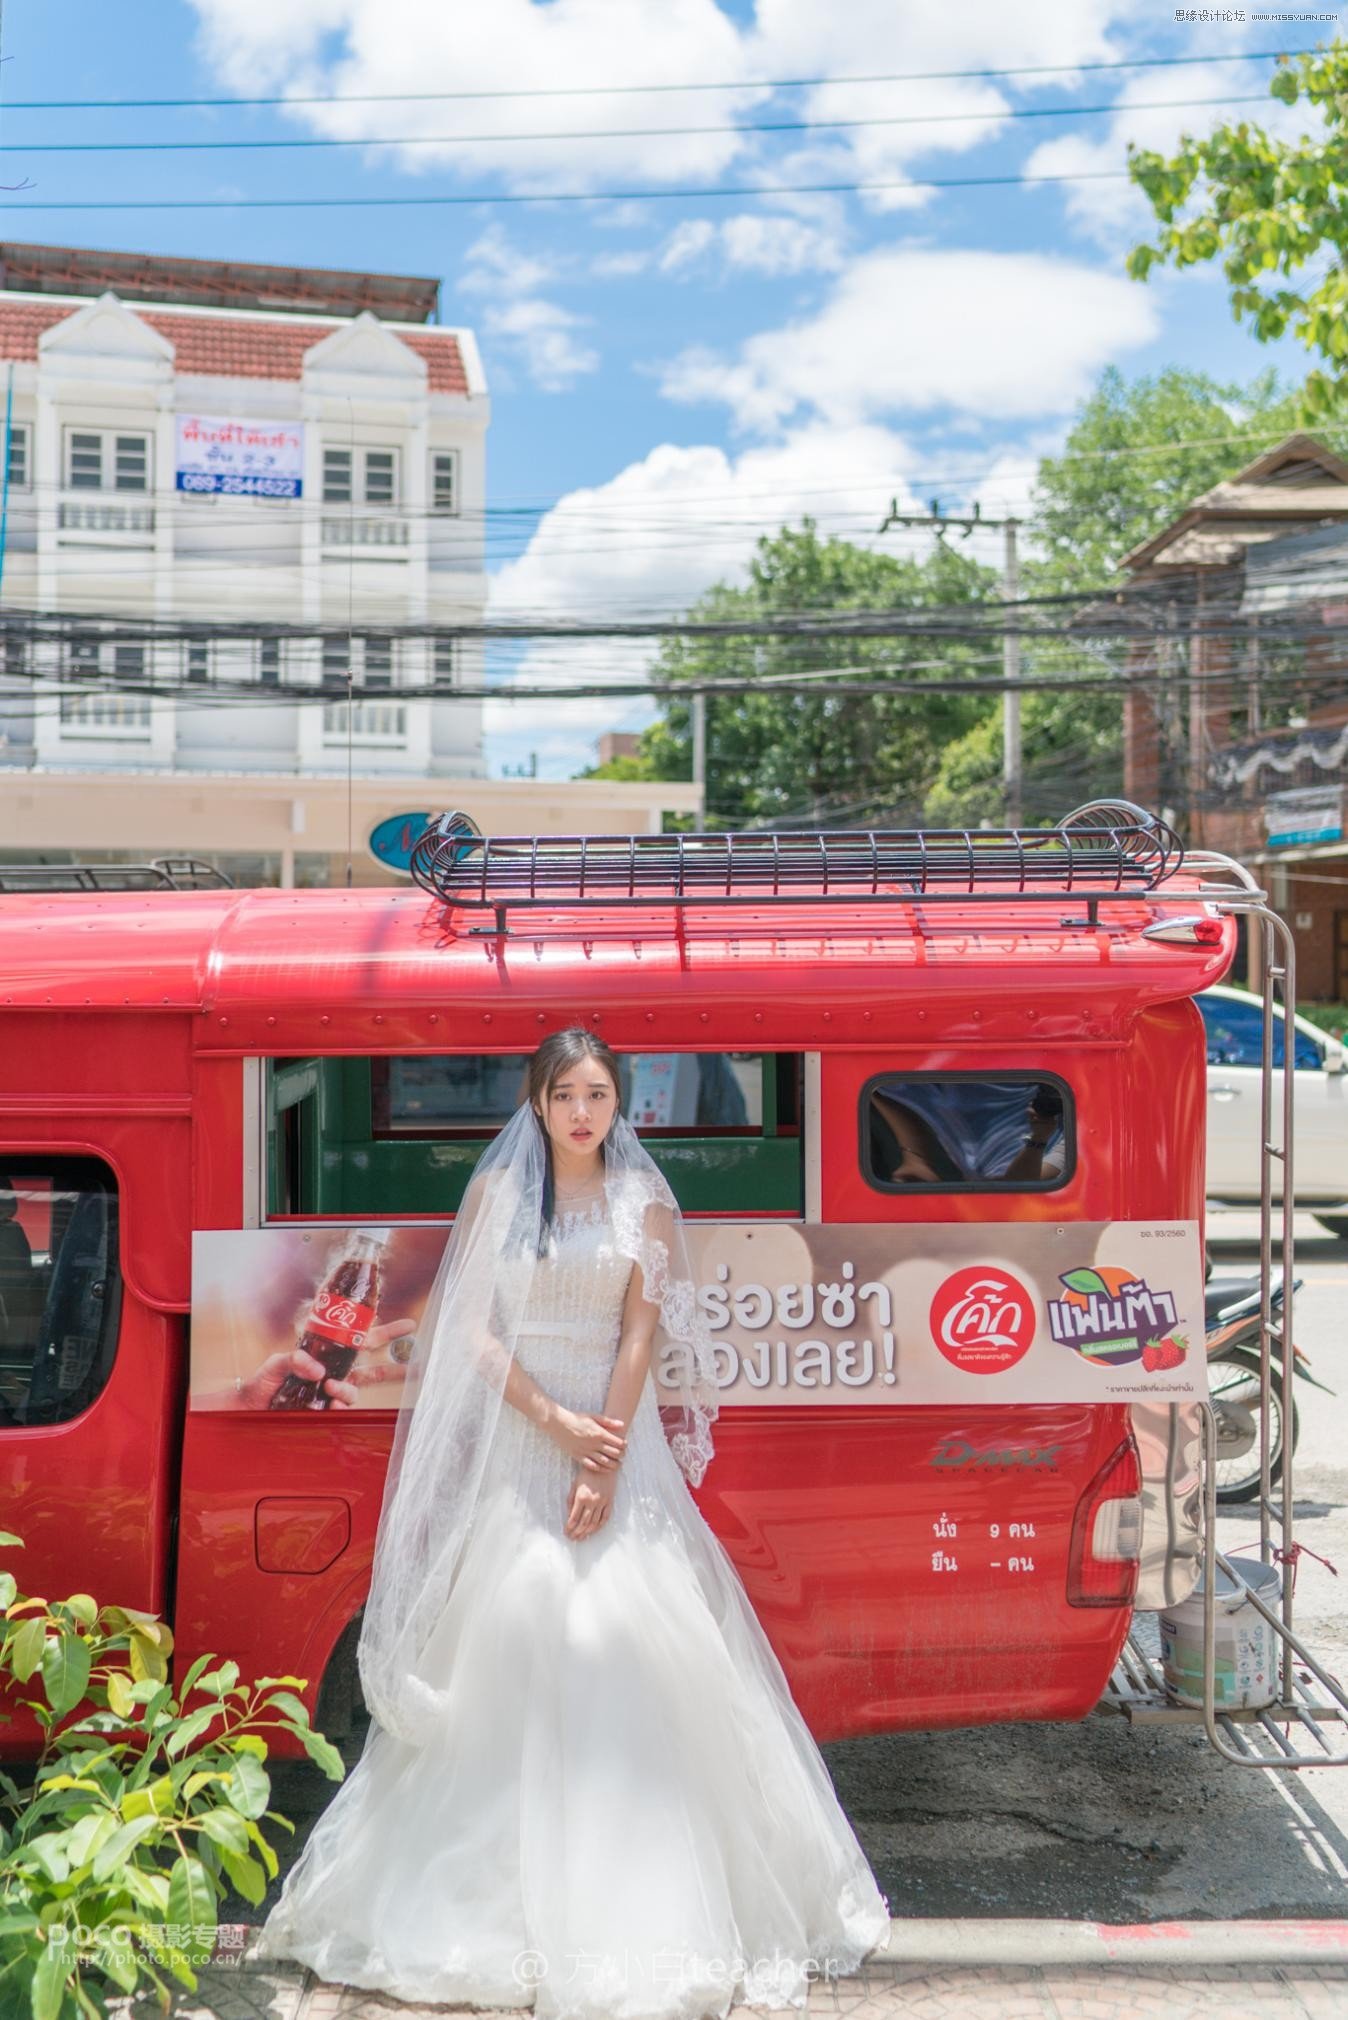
x=343, y=1315
x=983, y=1319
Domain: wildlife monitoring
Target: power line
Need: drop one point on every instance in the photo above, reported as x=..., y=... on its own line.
x=461, y=198
x=291, y=142
x=628, y=90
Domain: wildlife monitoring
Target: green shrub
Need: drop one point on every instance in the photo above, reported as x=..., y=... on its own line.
x=141, y=1813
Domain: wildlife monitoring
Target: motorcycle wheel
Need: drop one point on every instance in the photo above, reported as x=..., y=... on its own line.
x=1233, y=1384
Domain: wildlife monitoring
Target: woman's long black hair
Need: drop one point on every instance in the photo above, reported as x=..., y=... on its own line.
x=554, y=1057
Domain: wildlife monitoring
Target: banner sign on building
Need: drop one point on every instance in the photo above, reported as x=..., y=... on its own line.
x=801, y=1315
x=254, y=459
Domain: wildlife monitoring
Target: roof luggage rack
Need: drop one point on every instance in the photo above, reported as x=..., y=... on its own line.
x=162, y=873
x=1108, y=848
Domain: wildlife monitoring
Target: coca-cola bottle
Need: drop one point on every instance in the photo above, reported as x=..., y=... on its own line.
x=340, y=1321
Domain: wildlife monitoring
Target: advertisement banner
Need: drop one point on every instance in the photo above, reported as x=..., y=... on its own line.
x=802, y=1316
x=253, y=459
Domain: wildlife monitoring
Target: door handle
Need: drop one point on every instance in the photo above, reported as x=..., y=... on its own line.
x=1223, y=1093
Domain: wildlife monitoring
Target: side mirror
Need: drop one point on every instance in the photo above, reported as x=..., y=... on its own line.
x=1336, y=1060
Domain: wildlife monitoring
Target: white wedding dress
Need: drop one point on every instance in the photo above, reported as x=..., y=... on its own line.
x=626, y=1816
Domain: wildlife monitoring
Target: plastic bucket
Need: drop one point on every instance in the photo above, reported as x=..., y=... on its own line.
x=1245, y=1645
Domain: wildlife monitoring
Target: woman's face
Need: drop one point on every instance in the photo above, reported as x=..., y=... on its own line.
x=580, y=1107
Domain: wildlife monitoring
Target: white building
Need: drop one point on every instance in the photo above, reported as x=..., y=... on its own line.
x=204, y=444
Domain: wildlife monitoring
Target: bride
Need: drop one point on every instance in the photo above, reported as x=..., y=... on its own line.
x=586, y=1786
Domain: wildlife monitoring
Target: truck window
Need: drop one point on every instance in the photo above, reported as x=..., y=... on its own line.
x=59, y=1286
x=402, y=1134
x=966, y=1132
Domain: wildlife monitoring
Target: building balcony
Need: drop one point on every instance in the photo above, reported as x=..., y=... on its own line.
x=109, y=714
x=381, y=723
x=105, y=522
x=370, y=530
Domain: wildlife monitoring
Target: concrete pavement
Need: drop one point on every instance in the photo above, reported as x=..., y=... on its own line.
x=930, y=1969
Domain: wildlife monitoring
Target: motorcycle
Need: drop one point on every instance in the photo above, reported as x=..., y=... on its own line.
x=1232, y=1340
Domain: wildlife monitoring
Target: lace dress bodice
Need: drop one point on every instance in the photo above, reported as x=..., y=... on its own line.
x=575, y=1305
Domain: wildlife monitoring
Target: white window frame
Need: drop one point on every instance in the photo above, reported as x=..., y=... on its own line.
x=106, y=713
x=358, y=464
x=206, y=648
x=107, y=439
x=450, y=457
x=21, y=438
x=379, y=719
x=444, y=662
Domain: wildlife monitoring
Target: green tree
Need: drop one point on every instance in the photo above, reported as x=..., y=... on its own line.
x=1138, y=452
x=833, y=758
x=1275, y=211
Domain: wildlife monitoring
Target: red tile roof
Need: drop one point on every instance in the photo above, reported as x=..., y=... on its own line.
x=233, y=347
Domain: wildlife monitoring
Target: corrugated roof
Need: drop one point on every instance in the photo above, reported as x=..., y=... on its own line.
x=224, y=284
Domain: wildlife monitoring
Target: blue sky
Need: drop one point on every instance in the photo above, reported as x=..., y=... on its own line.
x=670, y=378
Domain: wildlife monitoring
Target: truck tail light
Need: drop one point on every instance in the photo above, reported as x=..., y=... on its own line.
x=1201, y=931
x=1107, y=1534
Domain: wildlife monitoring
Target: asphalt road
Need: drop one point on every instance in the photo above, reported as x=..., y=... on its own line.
x=1104, y=1821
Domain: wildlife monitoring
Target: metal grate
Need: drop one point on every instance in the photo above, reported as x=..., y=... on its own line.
x=164, y=873
x=1104, y=849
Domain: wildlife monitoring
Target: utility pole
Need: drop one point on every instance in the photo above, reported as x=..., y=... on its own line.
x=1012, y=770
x=1012, y=764
x=700, y=760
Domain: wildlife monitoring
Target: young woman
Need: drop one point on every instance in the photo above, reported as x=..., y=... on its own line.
x=586, y=1786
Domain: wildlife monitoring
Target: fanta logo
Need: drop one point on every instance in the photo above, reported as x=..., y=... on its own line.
x=983, y=1320
x=1111, y=1317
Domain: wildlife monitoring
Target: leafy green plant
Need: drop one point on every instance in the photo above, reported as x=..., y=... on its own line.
x=1271, y=208
x=146, y=1804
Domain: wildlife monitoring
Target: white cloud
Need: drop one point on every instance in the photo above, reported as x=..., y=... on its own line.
x=752, y=242
x=511, y=47
x=495, y=265
x=1101, y=200
x=332, y=47
x=540, y=334
x=652, y=539
x=909, y=329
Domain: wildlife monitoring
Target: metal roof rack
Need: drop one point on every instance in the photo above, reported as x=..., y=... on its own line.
x=1108, y=848
x=162, y=873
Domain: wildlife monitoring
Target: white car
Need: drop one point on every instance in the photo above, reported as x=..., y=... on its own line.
x=1234, y=1020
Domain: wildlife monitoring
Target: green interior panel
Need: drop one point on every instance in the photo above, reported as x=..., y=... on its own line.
x=324, y=1158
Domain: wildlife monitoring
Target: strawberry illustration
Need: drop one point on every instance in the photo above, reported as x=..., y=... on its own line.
x=1158, y=1355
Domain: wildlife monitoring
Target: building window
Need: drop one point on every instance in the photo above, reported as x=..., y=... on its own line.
x=18, y=459
x=360, y=476
x=16, y=653
x=378, y=662
x=966, y=1132
x=113, y=711
x=106, y=460
x=445, y=480
x=269, y=661
x=197, y=660
x=336, y=662
x=445, y=662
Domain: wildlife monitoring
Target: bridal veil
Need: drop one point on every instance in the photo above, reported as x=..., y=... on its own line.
x=453, y=1389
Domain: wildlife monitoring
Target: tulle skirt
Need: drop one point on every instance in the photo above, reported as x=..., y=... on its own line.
x=625, y=1816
